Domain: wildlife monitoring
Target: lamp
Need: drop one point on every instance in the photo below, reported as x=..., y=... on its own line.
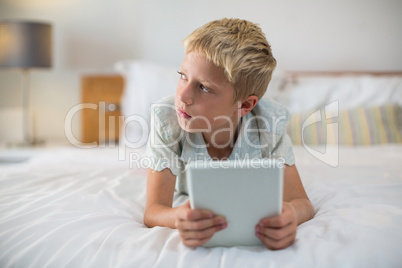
x=25, y=45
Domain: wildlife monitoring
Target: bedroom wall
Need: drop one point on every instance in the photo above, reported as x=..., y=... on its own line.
x=91, y=35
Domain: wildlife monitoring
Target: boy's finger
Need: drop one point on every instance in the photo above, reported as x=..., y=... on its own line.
x=275, y=222
x=195, y=242
x=201, y=234
x=187, y=204
x=277, y=233
x=197, y=214
x=276, y=244
x=202, y=224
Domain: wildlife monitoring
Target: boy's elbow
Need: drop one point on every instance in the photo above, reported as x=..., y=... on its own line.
x=146, y=219
x=309, y=210
x=303, y=209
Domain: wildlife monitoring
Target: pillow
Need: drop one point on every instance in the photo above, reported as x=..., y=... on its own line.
x=145, y=83
x=359, y=126
x=306, y=93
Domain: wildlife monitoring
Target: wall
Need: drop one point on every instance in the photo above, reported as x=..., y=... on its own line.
x=90, y=35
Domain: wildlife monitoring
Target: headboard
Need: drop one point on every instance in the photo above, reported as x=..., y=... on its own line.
x=343, y=73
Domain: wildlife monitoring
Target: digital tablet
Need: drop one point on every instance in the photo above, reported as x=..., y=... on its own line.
x=243, y=191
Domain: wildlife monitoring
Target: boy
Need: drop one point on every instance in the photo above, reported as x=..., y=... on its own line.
x=226, y=70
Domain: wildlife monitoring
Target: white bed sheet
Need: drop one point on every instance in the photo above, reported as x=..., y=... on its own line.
x=73, y=207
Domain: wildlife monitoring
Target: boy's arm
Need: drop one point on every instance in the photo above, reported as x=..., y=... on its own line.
x=280, y=231
x=159, y=199
x=294, y=193
x=195, y=226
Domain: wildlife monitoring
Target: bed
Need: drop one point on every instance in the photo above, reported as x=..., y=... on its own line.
x=83, y=207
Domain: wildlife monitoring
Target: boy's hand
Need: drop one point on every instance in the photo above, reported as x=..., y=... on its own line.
x=197, y=226
x=278, y=232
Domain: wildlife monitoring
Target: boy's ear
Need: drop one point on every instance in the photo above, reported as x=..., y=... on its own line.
x=247, y=105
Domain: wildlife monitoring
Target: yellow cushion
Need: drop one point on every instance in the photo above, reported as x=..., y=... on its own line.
x=359, y=126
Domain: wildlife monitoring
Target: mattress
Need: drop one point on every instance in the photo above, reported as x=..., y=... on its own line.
x=73, y=207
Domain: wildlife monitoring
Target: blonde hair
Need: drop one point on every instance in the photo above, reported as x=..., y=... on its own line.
x=241, y=49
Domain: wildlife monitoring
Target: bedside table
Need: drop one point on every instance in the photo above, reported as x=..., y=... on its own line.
x=101, y=123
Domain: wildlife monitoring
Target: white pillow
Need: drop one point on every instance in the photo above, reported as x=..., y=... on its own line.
x=303, y=94
x=145, y=83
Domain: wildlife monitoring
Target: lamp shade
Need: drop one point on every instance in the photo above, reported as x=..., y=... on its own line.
x=25, y=44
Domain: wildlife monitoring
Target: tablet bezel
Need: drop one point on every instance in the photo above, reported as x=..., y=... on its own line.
x=208, y=180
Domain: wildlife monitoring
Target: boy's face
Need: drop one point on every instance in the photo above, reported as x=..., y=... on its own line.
x=204, y=97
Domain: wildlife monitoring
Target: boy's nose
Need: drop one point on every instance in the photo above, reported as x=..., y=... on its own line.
x=185, y=95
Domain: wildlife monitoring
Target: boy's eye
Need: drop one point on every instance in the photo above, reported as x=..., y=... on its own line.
x=182, y=75
x=202, y=87
x=205, y=89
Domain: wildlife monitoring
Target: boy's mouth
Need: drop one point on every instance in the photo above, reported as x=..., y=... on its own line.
x=183, y=114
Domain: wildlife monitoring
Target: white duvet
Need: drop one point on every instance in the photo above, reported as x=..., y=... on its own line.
x=73, y=207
